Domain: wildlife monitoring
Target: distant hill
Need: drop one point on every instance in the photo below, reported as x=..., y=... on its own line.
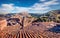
x=34, y=14
x=52, y=12
x=55, y=11
x=46, y=14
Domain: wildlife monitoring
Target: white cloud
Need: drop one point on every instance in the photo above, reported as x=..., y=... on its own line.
x=52, y=2
x=10, y=8
x=44, y=6
x=20, y=9
x=6, y=8
x=42, y=0
x=37, y=7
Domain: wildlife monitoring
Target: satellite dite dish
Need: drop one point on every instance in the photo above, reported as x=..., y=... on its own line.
x=3, y=23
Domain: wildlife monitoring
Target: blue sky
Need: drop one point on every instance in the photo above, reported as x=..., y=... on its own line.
x=30, y=6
